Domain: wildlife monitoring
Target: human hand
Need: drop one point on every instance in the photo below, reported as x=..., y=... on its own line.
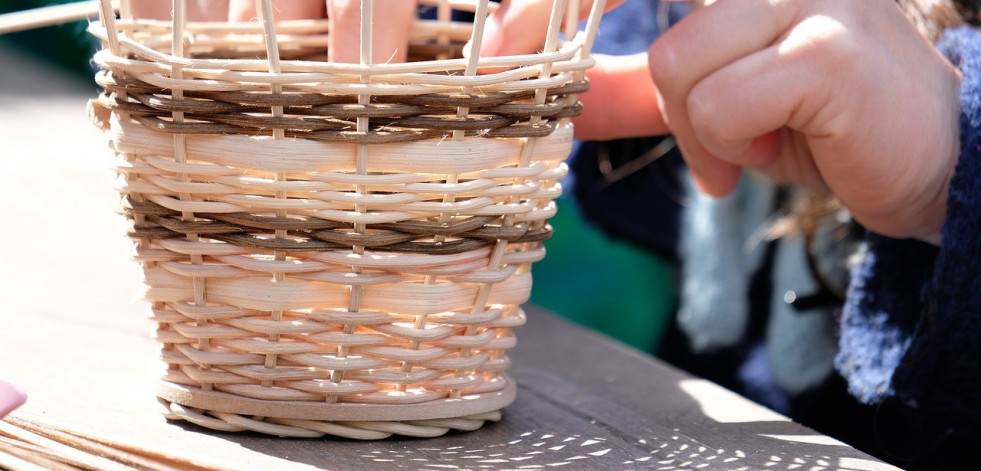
x=830, y=94
x=520, y=26
x=391, y=21
x=11, y=397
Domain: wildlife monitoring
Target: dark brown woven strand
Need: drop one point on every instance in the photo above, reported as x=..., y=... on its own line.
x=333, y=118
x=317, y=235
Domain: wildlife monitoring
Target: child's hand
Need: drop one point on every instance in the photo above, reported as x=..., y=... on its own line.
x=392, y=20
x=836, y=94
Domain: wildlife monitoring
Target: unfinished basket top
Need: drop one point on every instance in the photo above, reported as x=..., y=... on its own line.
x=220, y=75
x=214, y=54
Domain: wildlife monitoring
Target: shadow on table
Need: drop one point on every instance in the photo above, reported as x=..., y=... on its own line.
x=585, y=402
x=542, y=430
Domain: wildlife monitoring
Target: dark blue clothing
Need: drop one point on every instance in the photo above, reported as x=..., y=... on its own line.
x=911, y=330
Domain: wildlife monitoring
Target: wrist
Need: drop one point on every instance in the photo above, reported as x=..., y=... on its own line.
x=933, y=214
x=621, y=101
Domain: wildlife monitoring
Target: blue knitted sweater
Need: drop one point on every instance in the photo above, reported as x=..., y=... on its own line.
x=911, y=327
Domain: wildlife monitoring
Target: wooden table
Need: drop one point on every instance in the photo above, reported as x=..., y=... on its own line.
x=74, y=334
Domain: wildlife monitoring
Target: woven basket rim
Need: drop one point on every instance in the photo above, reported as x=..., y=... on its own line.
x=438, y=409
x=564, y=58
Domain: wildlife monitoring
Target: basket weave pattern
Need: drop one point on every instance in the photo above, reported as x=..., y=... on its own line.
x=335, y=248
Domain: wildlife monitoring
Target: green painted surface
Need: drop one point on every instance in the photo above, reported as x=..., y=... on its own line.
x=66, y=46
x=602, y=283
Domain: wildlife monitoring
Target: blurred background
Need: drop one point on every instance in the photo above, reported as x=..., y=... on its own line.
x=609, y=283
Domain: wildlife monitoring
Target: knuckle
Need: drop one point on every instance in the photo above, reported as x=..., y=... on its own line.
x=705, y=116
x=826, y=41
x=664, y=63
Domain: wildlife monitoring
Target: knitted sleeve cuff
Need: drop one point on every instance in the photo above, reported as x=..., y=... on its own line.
x=940, y=375
x=881, y=311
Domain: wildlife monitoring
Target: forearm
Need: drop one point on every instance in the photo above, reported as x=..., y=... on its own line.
x=621, y=101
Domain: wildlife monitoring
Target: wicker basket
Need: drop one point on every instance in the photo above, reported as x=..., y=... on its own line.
x=336, y=248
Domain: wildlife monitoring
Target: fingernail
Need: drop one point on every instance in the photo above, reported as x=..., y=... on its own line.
x=11, y=397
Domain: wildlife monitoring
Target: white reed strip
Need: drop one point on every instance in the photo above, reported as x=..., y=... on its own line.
x=69, y=453
x=304, y=26
x=88, y=440
x=107, y=17
x=518, y=79
x=50, y=15
x=310, y=31
x=480, y=18
x=262, y=294
x=572, y=18
x=585, y=53
x=304, y=155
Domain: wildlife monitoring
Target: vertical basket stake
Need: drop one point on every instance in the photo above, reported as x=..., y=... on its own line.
x=476, y=36
x=265, y=10
x=572, y=19
x=363, y=126
x=108, y=19
x=551, y=43
x=180, y=157
x=585, y=49
x=483, y=293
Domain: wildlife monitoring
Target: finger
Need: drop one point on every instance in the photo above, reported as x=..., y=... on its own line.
x=207, y=10
x=245, y=10
x=738, y=111
x=151, y=9
x=714, y=36
x=711, y=175
x=707, y=40
x=197, y=10
x=528, y=16
x=391, y=22
x=754, y=96
x=621, y=101
x=520, y=26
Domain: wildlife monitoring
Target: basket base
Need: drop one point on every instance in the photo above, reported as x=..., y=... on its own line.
x=230, y=413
